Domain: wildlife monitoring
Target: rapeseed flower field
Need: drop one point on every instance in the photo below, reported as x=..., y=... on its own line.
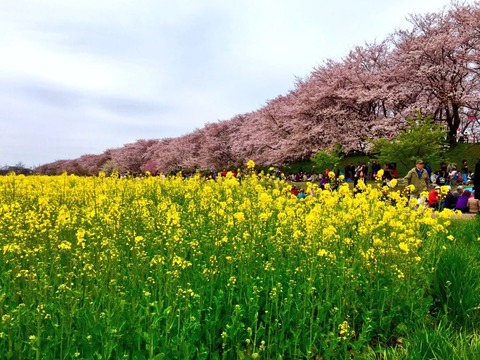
x=237, y=267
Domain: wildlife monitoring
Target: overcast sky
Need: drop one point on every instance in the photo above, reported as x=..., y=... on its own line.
x=79, y=77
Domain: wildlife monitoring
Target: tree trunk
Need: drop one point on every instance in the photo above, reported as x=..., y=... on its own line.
x=453, y=122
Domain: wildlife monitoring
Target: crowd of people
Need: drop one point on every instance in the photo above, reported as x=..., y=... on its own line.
x=464, y=198
x=350, y=173
x=448, y=188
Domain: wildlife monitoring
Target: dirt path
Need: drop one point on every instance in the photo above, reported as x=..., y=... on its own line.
x=465, y=216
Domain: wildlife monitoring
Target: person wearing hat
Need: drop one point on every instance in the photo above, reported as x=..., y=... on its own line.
x=418, y=177
x=434, y=198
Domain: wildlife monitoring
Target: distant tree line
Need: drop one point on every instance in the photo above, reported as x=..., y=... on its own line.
x=18, y=169
x=432, y=68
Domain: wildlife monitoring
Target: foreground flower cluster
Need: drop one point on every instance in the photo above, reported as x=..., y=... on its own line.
x=195, y=268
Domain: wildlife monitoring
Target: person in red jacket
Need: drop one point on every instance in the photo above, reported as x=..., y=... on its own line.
x=434, y=198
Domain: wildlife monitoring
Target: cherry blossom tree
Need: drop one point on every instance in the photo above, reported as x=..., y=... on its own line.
x=130, y=157
x=163, y=155
x=53, y=168
x=348, y=102
x=91, y=164
x=436, y=64
x=215, y=151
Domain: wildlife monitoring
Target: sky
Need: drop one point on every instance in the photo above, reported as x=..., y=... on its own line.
x=80, y=77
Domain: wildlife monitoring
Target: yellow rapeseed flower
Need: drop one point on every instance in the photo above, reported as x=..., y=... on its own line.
x=393, y=183
x=379, y=175
x=65, y=245
x=239, y=216
x=404, y=247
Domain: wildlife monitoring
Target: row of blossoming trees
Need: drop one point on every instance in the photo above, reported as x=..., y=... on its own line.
x=432, y=67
